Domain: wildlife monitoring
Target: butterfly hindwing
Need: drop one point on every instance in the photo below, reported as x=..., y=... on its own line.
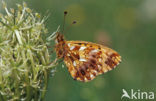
x=86, y=60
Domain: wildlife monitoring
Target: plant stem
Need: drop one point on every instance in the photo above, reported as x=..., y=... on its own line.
x=1, y=98
x=45, y=85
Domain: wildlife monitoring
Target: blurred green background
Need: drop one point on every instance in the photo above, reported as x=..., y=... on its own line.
x=127, y=26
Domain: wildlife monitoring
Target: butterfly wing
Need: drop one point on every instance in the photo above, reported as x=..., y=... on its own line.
x=86, y=60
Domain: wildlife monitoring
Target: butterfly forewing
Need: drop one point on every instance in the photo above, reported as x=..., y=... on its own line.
x=86, y=60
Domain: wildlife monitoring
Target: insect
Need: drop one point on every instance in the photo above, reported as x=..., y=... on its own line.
x=85, y=60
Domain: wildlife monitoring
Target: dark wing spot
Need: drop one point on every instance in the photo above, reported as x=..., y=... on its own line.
x=88, y=76
x=71, y=58
x=97, y=69
x=92, y=66
x=79, y=43
x=76, y=48
x=110, y=62
x=76, y=56
x=99, y=53
x=93, y=55
x=114, y=55
x=94, y=73
x=60, y=52
x=85, y=44
x=100, y=64
x=82, y=72
x=86, y=66
x=93, y=61
x=77, y=74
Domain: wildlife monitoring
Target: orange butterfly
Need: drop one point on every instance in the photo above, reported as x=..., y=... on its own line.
x=85, y=60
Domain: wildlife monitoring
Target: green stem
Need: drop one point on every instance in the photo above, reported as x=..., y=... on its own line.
x=28, y=87
x=26, y=78
x=1, y=98
x=45, y=85
x=36, y=95
x=16, y=83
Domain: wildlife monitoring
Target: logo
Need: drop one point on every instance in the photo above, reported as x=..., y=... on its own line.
x=137, y=94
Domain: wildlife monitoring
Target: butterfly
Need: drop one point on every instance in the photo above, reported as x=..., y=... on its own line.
x=85, y=60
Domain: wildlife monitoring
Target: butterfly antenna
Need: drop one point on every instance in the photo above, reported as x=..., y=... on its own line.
x=74, y=22
x=65, y=13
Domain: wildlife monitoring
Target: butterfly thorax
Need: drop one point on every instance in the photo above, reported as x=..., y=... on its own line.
x=60, y=45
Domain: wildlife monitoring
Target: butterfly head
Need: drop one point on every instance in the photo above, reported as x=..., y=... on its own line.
x=59, y=38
